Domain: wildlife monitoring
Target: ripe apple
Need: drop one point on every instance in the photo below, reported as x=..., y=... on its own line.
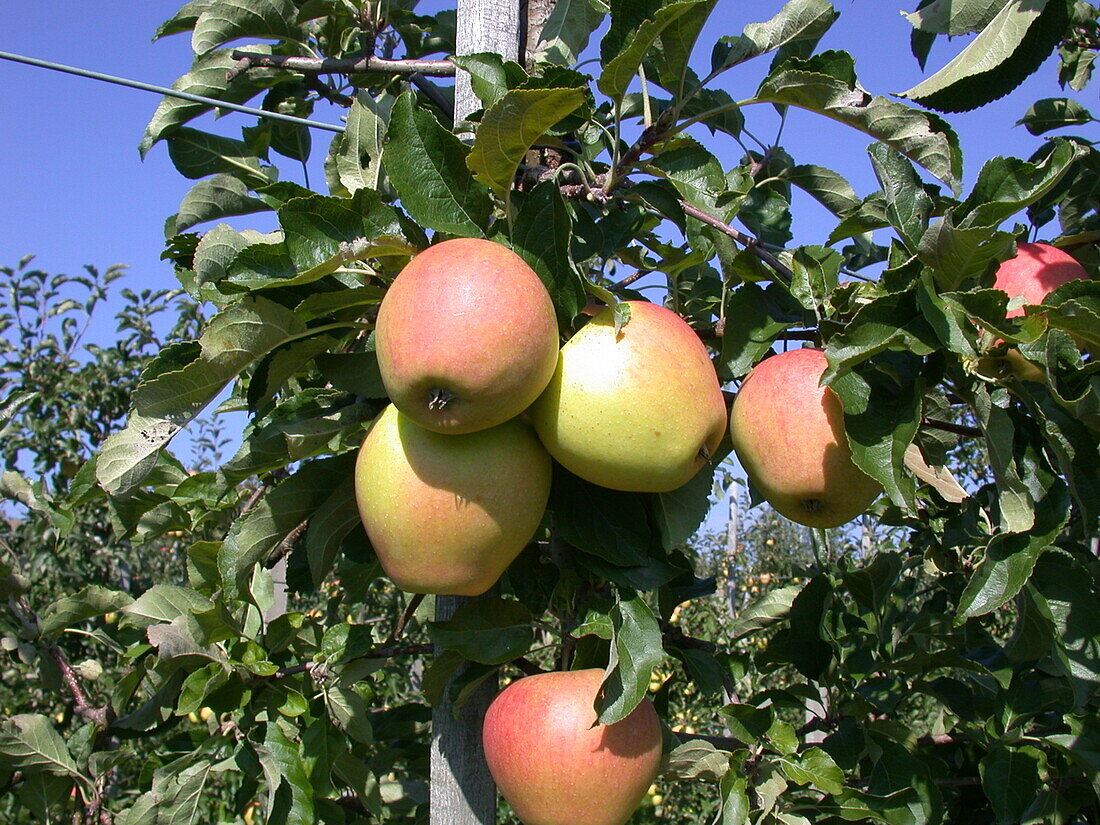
x=447, y=514
x=555, y=764
x=788, y=432
x=1037, y=270
x=638, y=410
x=466, y=336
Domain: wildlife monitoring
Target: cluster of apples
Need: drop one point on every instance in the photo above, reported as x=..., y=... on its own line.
x=451, y=481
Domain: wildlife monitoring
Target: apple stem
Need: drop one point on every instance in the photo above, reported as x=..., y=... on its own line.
x=440, y=398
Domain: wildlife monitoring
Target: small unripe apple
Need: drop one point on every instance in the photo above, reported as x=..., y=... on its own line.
x=639, y=409
x=447, y=514
x=466, y=336
x=788, y=432
x=556, y=765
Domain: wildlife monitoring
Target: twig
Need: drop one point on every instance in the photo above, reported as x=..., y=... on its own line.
x=629, y=279
x=330, y=94
x=432, y=92
x=378, y=653
x=750, y=243
x=100, y=717
x=527, y=666
x=403, y=619
x=333, y=65
x=947, y=426
x=287, y=544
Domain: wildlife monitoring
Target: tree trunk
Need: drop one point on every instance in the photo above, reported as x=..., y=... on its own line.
x=462, y=791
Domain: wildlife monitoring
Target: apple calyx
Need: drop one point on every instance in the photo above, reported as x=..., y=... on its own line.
x=439, y=398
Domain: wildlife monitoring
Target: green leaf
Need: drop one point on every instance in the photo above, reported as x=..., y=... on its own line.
x=225, y=20
x=1007, y=185
x=606, y=523
x=678, y=513
x=217, y=249
x=166, y=603
x=872, y=585
x=509, y=128
x=955, y=17
x=619, y=70
x=566, y=32
x=827, y=187
x=697, y=759
x=288, y=504
x=771, y=608
x=908, y=206
x=1054, y=113
x=542, y=234
x=761, y=315
x=797, y=20
x=164, y=404
x=29, y=742
x=813, y=767
x=427, y=166
x=636, y=649
x=923, y=138
x=221, y=196
x=350, y=713
x=330, y=525
x=491, y=76
x=208, y=79
x=88, y=603
x=694, y=171
x=816, y=274
x=892, y=322
x=667, y=62
x=198, y=154
x=1008, y=49
x=1010, y=558
x=359, y=156
x=734, y=790
x=184, y=20
x=1064, y=590
x=290, y=800
x=1013, y=495
x=960, y=256
x=882, y=411
x=1011, y=781
x=198, y=685
x=489, y=630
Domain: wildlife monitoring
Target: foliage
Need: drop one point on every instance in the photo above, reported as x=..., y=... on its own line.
x=943, y=667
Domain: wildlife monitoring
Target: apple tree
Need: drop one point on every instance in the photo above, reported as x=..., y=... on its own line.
x=937, y=660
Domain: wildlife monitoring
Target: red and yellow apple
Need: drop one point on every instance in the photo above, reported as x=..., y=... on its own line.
x=447, y=514
x=788, y=433
x=639, y=409
x=466, y=336
x=556, y=765
x=1036, y=270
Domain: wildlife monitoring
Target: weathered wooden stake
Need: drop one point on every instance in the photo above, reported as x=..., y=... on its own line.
x=462, y=791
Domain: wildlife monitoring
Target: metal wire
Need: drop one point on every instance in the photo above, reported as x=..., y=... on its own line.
x=149, y=87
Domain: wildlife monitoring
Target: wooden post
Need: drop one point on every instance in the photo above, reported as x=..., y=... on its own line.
x=462, y=791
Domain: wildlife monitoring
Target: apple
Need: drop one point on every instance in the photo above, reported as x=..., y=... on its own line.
x=466, y=336
x=447, y=514
x=788, y=432
x=638, y=410
x=555, y=764
x=1037, y=270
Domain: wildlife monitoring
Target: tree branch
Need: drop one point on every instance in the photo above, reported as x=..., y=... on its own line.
x=332, y=65
x=947, y=426
x=98, y=716
x=750, y=243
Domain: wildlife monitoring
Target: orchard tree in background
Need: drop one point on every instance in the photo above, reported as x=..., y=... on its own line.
x=936, y=660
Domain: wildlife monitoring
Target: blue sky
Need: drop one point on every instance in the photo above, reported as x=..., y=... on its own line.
x=77, y=191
